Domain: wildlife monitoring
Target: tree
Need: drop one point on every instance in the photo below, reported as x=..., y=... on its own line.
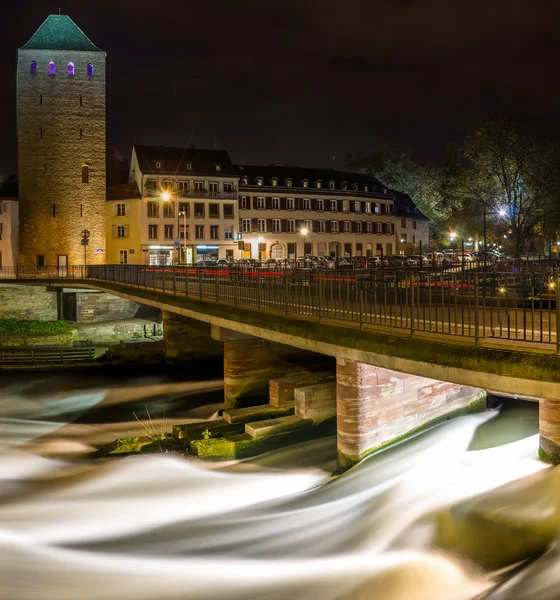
x=512, y=176
x=428, y=186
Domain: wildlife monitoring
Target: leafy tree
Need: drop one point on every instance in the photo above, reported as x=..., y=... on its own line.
x=512, y=177
x=429, y=187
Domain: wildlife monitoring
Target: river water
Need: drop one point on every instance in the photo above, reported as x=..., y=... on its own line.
x=277, y=527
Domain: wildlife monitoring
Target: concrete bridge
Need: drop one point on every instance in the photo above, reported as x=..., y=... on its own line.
x=407, y=353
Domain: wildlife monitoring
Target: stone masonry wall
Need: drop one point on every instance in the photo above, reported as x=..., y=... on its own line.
x=93, y=308
x=27, y=302
x=377, y=405
x=61, y=127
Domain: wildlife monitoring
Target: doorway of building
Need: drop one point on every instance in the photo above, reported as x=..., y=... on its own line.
x=69, y=306
x=62, y=265
x=277, y=251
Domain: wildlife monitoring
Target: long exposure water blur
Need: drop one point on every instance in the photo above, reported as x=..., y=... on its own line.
x=279, y=526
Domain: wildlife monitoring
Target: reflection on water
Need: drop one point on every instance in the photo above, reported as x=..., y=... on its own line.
x=279, y=526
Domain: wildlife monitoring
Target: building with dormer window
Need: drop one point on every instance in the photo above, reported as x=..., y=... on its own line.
x=188, y=205
x=341, y=213
x=411, y=226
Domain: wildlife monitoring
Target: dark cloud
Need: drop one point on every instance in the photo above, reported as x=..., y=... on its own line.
x=301, y=80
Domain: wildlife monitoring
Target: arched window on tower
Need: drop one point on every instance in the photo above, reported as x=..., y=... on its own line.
x=70, y=68
x=33, y=68
x=90, y=70
x=52, y=68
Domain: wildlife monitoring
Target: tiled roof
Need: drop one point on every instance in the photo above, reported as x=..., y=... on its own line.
x=404, y=206
x=9, y=188
x=59, y=32
x=123, y=191
x=298, y=174
x=174, y=161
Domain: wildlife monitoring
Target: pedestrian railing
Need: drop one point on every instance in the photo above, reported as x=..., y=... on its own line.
x=513, y=305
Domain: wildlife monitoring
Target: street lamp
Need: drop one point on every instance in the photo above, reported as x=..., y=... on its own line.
x=304, y=233
x=183, y=213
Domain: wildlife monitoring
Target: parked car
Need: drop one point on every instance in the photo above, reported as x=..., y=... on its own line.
x=396, y=260
x=418, y=260
x=377, y=262
x=360, y=262
x=466, y=256
x=248, y=263
x=226, y=261
x=207, y=264
x=434, y=257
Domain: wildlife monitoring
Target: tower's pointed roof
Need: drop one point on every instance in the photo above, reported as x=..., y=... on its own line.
x=59, y=32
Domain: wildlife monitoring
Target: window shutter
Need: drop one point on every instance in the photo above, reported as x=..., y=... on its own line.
x=284, y=225
x=253, y=224
x=268, y=202
x=299, y=224
x=268, y=221
x=126, y=229
x=253, y=202
x=353, y=227
x=314, y=227
x=114, y=231
x=283, y=203
x=340, y=205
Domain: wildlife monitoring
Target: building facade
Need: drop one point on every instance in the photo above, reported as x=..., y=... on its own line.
x=61, y=146
x=189, y=204
x=9, y=222
x=124, y=225
x=411, y=226
x=287, y=211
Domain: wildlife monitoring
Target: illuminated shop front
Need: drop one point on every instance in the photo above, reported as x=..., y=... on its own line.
x=161, y=255
x=207, y=252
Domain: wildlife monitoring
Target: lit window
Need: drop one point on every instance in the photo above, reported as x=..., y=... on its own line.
x=168, y=210
x=52, y=68
x=70, y=68
x=228, y=232
x=90, y=70
x=261, y=203
x=275, y=181
x=33, y=68
x=365, y=187
x=331, y=184
x=290, y=203
x=346, y=206
x=319, y=183
x=245, y=180
x=261, y=225
x=377, y=209
x=357, y=206
x=289, y=182
x=218, y=168
x=367, y=207
x=305, y=183
x=246, y=225
x=259, y=180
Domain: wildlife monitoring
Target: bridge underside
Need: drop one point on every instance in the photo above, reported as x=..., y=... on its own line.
x=509, y=368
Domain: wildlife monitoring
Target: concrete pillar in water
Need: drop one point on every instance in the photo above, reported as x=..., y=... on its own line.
x=549, y=430
x=187, y=339
x=251, y=362
x=377, y=406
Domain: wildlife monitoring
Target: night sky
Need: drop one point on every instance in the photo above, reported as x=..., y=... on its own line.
x=303, y=81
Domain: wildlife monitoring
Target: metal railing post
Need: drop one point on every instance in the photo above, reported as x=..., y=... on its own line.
x=557, y=316
x=476, y=333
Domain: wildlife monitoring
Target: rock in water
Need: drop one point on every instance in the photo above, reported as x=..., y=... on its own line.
x=509, y=524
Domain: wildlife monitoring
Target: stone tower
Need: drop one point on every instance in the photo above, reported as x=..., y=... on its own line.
x=61, y=145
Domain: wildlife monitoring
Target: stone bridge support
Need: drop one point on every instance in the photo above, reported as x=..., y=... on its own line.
x=187, y=339
x=549, y=430
x=376, y=406
x=251, y=362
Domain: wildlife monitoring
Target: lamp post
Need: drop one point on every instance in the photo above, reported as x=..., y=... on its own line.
x=166, y=197
x=304, y=233
x=183, y=213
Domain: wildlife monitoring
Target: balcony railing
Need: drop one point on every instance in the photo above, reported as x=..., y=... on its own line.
x=195, y=194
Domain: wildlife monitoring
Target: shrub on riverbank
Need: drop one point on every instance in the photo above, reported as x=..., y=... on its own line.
x=15, y=326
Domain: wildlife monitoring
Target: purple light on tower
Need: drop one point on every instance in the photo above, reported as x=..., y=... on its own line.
x=52, y=68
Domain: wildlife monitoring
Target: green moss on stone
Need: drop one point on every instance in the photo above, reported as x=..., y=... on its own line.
x=549, y=457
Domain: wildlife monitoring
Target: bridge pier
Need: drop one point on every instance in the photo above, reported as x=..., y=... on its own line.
x=549, y=430
x=187, y=339
x=377, y=406
x=251, y=362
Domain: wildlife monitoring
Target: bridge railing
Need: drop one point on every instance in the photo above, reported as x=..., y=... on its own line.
x=470, y=304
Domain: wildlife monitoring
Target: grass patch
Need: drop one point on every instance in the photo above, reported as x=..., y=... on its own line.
x=15, y=326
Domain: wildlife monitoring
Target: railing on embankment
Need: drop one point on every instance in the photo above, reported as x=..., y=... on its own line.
x=473, y=304
x=42, y=356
